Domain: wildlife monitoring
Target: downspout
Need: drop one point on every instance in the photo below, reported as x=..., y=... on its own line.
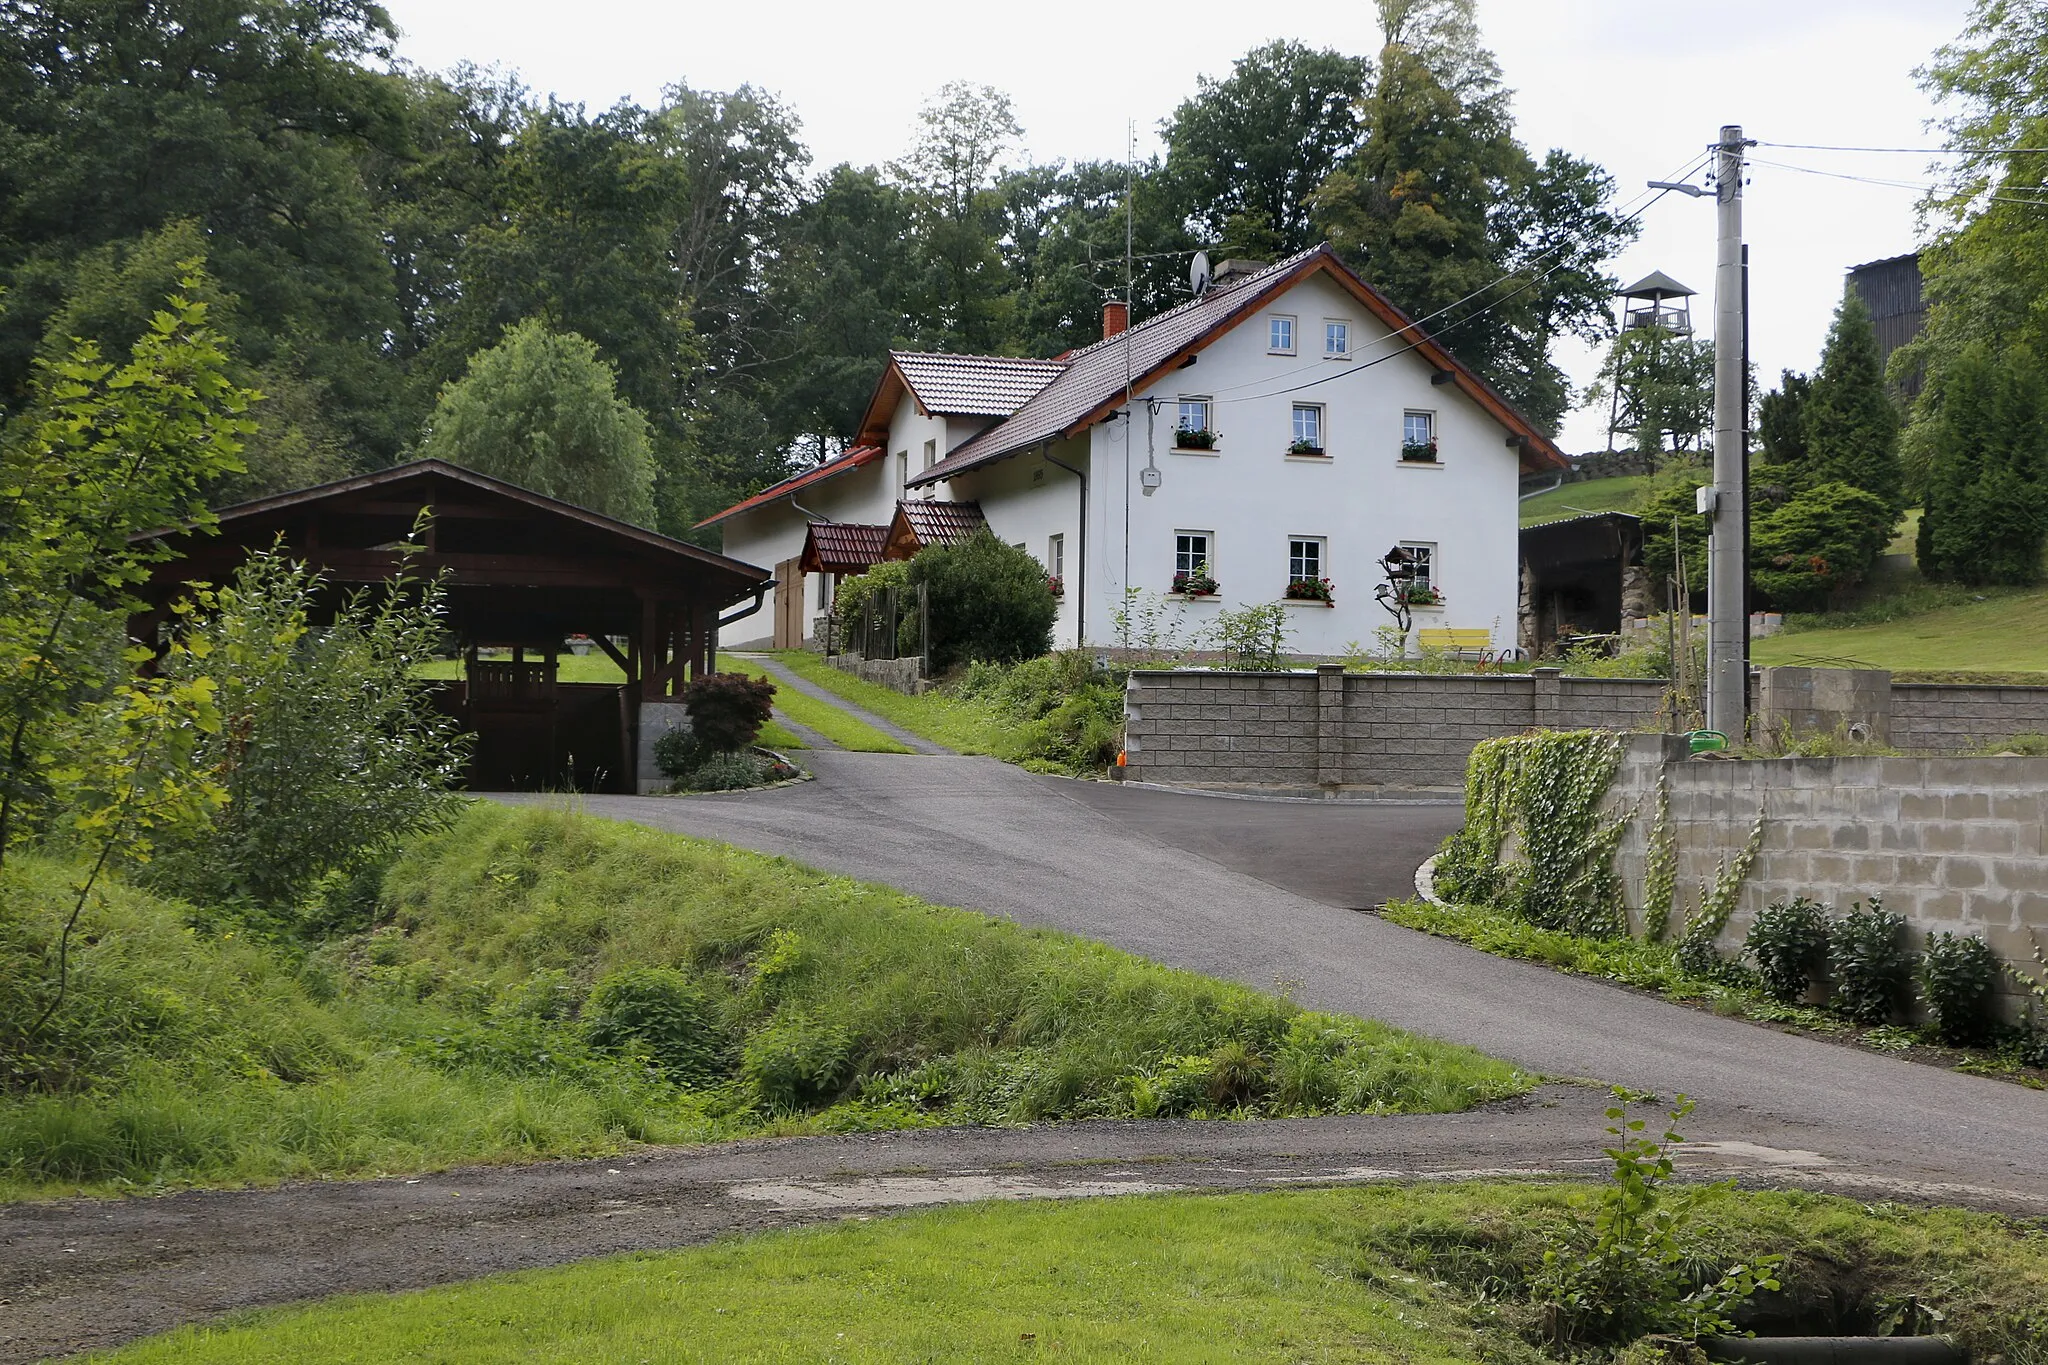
x=1080, y=578
x=718, y=627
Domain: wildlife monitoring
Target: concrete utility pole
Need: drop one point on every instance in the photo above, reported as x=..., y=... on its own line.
x=1728, y=548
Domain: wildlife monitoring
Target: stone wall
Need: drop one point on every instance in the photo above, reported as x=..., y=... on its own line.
x=898, y=674
x=1333, y=732
x=1952, y=844
x=1948, y=716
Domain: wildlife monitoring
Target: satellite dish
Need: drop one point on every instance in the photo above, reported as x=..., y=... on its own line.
x=1198, y=273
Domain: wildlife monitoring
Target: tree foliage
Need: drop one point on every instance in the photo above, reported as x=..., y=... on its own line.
x=984, y=600
x=1986, y=516
x=543, y=411
x=1849, y=423
x=1667, y=387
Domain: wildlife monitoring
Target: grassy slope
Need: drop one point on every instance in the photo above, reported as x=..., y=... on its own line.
x=1593, y=495
x=1376, y=1274
x=823, y=717
x=961, y=725
x=2004, y=633
x=192, y=1055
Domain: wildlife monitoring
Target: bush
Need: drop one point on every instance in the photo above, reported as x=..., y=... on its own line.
x=1789, y=944
x=676, y=752
x=850, y=599
x=1254, y=637
x=727, y=710
x=797, y=1062
x=984, y=600
x=1872, y=967
x=663, y=1012
x=1807, y=549
x=1957, y=978
x=1071, y=712
x=730, y=772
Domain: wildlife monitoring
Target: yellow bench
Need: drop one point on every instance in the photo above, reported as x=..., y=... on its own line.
x=1475, y=641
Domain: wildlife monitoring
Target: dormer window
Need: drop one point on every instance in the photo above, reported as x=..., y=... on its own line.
x=1280, y=335
x=1336, y=340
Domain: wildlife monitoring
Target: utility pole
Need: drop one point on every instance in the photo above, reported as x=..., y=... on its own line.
x=1728, y=548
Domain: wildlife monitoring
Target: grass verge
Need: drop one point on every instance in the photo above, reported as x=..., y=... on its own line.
x=820, y=716
x=963, y=726
x=541, y=983
x=1390, y=1273
x=1619, y=494
x=1924, y=629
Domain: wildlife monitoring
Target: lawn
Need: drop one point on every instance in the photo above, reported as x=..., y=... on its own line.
x=2006, y=632
x=538, y=983
x=1620, y=494
x=962, y=725
x=1385, y=1273
x=823, y=717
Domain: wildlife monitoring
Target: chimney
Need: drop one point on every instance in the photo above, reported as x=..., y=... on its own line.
x=1232, y=271
x=1116, y=317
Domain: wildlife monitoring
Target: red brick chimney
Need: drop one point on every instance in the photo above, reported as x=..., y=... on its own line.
x=1116, y=316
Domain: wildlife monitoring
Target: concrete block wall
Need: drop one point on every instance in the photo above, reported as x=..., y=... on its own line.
x=1330, y=732
x=1952, y=844
x=1952, y=716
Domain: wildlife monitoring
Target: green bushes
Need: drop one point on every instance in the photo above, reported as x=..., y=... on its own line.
x=549, y=983
x=1066, y=714
x=1957, y=977
x=984, y=600
x=1871, y=965
x=1788, y=941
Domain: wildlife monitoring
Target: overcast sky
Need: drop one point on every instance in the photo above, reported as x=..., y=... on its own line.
x=1640, y=86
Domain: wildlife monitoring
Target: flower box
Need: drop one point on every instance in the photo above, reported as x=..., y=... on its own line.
x=1196, y=584
x=1309, y=590
x=1424, y=453
x=1304, y=448
x=1055, y=585
x=1194, y=438
x=1420, y=595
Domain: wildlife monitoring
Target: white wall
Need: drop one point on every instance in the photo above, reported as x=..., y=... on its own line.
x=1028, y=501
x=769, y=534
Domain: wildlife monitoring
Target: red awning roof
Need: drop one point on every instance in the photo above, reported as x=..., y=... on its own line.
x=842, y=547
x=919, y=524
x=854, y=458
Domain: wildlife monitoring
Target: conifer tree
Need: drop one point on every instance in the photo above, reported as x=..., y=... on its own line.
x=1851, y=424
x=1986, y=518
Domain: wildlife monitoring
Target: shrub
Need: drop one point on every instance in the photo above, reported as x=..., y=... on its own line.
x=1789, y=944
x=729, y=772
x=1071, y=712
x=1805, y=550
x=663, y=1012
x=984, y=600
x=1957, y=977
x=676, y=751
x=1870, y=962
x=727, y=710
x=1254, y=637
x=851, y=597
x=797, y=1061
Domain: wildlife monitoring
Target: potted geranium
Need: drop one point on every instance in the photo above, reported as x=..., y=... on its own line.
x=1194, y=438
x=1309, y=590
x=1419, y=452
x=1421, y=595
x=1055, y=585
x=1196, y=583
x=1303, y=446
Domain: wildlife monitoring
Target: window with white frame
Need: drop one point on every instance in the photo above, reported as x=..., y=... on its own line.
x=903, y=470
x=1304, y=558
x=1193, y=431
x=1336, y=339
x=1422, y=554
x=1055, y=556
x=1418, y=437
x=1191, y=554
x=931, y=453
x=1280, y=335
x=1308, y=428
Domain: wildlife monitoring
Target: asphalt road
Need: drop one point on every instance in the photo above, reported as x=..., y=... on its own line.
x=1258, y=892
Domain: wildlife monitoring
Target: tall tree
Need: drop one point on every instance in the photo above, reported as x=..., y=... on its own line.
x=1065, y=242
x=1851, y=426
x=1986, y=517
x=966, y=136
x=542, y=410
x=1246, y=154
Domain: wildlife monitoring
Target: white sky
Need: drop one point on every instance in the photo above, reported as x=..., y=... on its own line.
x=1639, y=86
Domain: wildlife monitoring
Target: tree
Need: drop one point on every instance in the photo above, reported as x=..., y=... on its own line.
x=1986, y=516
x=1805, y=551
x=984, y=600
x=541, y=410
x=1781, y=426
x=1246, y=154
x=1666, y=383
x=966, y=134
x=1850, y=426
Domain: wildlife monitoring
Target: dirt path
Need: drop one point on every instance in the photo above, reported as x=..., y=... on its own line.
x=77, y=1275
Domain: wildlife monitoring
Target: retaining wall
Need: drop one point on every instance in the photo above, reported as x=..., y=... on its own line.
x=1952, y=844
x=899, y=674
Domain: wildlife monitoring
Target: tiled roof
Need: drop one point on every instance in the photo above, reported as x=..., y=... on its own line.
x=852, y=459
x=1093, y=378
x=920, y=523
x=973, y=385
x=843, y=547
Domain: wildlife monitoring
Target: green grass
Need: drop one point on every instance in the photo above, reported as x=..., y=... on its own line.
x=1620, y=494
x=569, y=668
x=461, y=1028
x=961, y=725
x=1950, y=632
x=826, y=719
x=1423, y=1275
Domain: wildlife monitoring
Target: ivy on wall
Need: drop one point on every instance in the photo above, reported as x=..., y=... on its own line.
x=1717, y=903
x=1539, y=795
x=1660, y=868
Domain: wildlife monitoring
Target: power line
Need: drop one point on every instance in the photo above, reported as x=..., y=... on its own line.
x=1921, y=186
x=1907, y=151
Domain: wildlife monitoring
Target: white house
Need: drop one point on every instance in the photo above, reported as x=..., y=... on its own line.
x=1323, y=430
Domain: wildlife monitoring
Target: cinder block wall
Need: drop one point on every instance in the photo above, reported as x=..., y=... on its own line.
x=1950, y=843
x=1952, y=716
x=1332, y=731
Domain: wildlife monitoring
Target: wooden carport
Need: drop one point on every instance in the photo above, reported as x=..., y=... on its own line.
x=521, y=570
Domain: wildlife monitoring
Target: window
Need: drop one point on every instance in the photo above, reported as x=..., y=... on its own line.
x=1418, y=437
x=903, y=470
x=1304, y=558
x=1336, y=340
x=1056, y=557
x=824, y=592
x=1423, y=556
x=1280, y=335
x=1194, y=414
x=1191, y=554
x=1308, y=429
x=931, y=453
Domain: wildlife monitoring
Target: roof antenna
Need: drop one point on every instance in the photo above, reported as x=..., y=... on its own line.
x=1199, y=274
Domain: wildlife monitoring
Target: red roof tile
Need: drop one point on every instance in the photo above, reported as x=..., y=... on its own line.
x=920, y=523
x=973, y=385
x=842, y=547
x=854, y=458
